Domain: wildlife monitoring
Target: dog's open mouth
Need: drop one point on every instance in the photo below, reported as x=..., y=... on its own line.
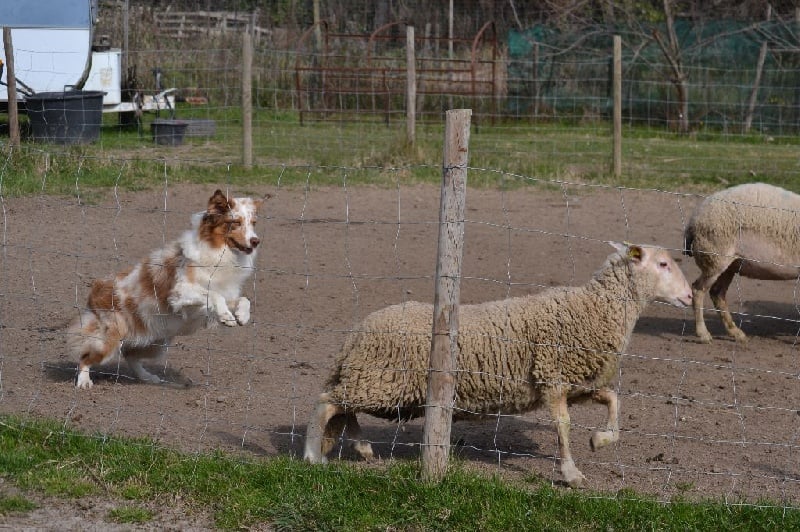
x=236, y=246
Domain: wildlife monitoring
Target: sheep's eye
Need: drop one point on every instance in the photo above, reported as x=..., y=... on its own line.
x=663, y=264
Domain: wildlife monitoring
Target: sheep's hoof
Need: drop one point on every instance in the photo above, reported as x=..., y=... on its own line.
x=364, y=449
x=601, y=439
x=312, y=459
x=576, y=481
x=739, y=336
x=572, y=475
x=704, y=338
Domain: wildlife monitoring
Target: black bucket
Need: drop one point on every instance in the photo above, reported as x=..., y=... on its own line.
x=168, y=132
x=69, y=117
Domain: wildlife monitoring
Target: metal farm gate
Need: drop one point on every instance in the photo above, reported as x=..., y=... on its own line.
x=340, y=75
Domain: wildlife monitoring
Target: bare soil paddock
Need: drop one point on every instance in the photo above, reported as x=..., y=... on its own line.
x=697, y=420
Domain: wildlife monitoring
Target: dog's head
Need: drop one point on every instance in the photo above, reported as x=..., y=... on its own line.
x=231, y=222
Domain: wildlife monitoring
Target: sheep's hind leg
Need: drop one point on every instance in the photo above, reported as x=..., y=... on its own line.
x=558, y=409
x=345, y=425
x=718, y=292
x=353, y=435
x=318, y=440
x=328, y=422
x=599, y=439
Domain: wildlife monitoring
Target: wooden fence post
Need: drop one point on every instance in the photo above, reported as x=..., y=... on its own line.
x=411, y=87
x=617, y=90
x=13, y=116
x=247, y=100
x=444, y=341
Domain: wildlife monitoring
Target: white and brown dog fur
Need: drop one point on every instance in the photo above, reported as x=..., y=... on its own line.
x=194, y=282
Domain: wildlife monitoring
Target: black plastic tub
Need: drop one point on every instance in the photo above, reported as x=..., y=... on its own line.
x=69, y=117
x=201, y=128
x=168, y=132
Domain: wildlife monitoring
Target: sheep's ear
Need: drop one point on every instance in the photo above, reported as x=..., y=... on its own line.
x=635, y=253
x=626, y=249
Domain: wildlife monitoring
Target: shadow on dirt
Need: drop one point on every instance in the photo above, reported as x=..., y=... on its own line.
x=114, y=373
x=477, y=441
x=767, y=319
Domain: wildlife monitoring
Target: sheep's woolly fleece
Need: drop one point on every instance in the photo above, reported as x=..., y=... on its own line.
x=509, y=350
x=770, y=213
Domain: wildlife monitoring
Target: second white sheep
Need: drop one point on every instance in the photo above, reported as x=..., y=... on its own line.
x=752, y=230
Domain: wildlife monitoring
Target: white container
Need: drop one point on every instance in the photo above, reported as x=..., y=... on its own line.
x=105, y=75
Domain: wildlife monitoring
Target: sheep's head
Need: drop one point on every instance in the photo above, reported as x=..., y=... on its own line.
x=665, y=279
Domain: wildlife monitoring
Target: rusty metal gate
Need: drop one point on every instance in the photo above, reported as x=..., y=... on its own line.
x=345, y=76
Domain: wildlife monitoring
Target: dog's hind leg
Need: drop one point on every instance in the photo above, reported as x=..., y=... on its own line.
x=89, y=358
x=92, y=344
x=134, y=356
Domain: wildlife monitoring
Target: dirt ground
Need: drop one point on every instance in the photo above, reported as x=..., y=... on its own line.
x=717, y=420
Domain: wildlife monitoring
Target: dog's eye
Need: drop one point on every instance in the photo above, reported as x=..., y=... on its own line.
x=235, y=223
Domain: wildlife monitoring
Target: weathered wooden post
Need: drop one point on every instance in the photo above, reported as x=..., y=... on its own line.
x=13, y=116
x=617, y=90
x=247, y=100
x=411, y=87
x=444, y=341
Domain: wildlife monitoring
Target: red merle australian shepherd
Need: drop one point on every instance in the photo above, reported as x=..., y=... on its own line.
x=193, y=282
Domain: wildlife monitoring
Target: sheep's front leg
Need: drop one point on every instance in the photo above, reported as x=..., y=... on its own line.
x=698, y=295
x=558, y=409
x=609, y=398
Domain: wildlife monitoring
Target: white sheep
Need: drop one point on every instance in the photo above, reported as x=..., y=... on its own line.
x=515, y=355
x=752, y=230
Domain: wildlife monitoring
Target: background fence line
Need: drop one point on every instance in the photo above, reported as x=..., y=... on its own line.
x=540, y=73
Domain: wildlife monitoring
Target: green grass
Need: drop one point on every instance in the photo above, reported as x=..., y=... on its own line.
x=130, y=515
x=15, y=504
x=287, y=493
x=506, y=154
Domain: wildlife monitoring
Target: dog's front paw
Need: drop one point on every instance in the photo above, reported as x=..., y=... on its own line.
x=228, y=319
x=243, y=311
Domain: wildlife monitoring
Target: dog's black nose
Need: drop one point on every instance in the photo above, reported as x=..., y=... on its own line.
x=255, y=242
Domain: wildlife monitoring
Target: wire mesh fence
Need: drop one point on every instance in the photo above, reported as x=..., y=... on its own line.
x=696, y=420
x=351, y=229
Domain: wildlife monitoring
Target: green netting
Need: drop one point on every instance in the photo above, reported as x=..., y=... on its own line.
x=553, y=73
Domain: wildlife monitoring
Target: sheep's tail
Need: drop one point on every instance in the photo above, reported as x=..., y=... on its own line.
x=688, y=240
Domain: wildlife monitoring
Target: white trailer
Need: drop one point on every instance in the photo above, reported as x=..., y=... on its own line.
x=52, y=42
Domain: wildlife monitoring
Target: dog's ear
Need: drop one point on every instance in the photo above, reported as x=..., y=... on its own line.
x=260, y=201
x=218, y=203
